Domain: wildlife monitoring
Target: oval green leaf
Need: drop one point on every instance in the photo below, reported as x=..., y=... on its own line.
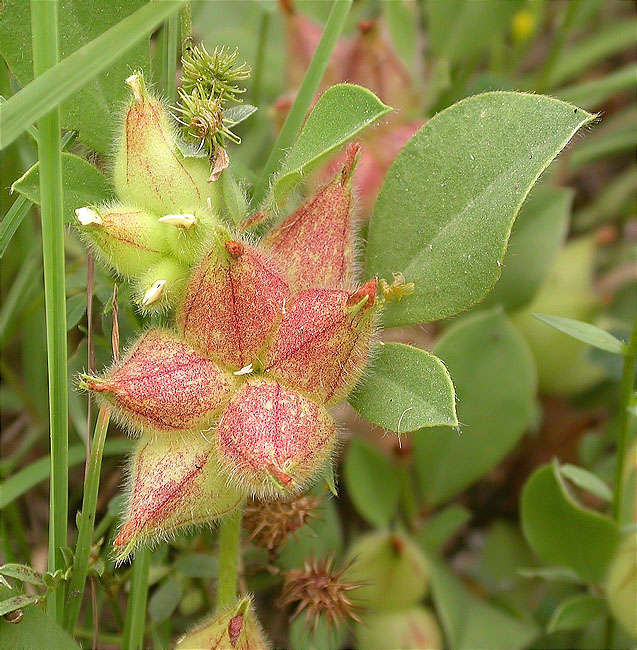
x=83, y=185
x=576, y=612
x=563, y=532
x=371, y=482
x=405, y=389
x=445, y=211
x=341, y=112
x=494, y=375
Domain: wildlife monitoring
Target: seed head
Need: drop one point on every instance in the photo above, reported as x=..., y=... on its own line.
x=321, y=591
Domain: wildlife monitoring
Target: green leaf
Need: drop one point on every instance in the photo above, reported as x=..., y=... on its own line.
x=75, y=310
x=405, y=389
x=76, y=70
x=576, y=612
x=325, y=636
x=551, y=574
x=16, y=602
x=587, y=481
x=470, y=622
x=372, y=483
x=536, y=237
x=341, y=112
x=403, y=26
x=197, y=565
x=461, y=30
x=445, y=211
x=563, y=532
x=442, y=526
x=239, y=113
x=585, y=332
x=165, y=599
x=23, y=573
x=495, y=383
x=83, y=185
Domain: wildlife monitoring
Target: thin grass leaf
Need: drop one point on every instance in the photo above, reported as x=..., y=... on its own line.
x=50, y=89
x=585, y=332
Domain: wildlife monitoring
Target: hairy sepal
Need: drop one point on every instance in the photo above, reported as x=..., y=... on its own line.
x=233, y=628
x=323, y=342
x=273, y=441
x=150, y=169
x=233, y=302
x=316, y=243
x=161, y=286
x=174, y=483
x=164, y=386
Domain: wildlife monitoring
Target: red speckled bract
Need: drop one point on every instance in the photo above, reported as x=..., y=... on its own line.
x=323, y=341
x=316, y=243
x=232, y=304
x=175, y=482
x=273, y=440
x=165, y=386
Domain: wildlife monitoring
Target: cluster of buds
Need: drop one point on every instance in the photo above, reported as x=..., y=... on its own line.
x=231, y=401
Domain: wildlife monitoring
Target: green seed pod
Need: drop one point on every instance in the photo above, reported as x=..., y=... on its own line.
x=160, y=288
x=124, y=238
x=234, y=628
x=410, y=629
x=393, y=572
x=174, y=483
x=188, y=233
x=150, y=169
x=621, y=585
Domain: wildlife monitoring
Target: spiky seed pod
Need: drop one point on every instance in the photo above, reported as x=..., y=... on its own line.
x=271, y=523
x=161, y=286
x=272, y=440
x=125, y=239
x=164, y=386
x=394, y=571
x=233, y=301
x=372, y=62
x=316, y=243
x=323, y=341
x=149, y=168
x=621, y=584
x=409, y=629
x=234, y=628
x=321, y=591
x=174, y=483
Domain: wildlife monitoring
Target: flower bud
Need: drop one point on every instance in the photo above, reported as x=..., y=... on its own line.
x=272, y=440
x=174, y=482
x=163, y=386
x=316, y=243
x=621, y=584
x=233, y=301
x=394, y=572
x=234, y=628
x=409, y=629
x=124, y=238
x=149, y=169
x=323, y=341
x=161, y=286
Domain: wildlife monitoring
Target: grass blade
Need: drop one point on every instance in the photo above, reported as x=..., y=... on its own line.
x=311, y=81
x=56, y=84
x=136, y=612
x=44, y=27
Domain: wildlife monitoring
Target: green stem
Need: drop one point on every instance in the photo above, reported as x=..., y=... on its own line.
x=623, y=420
x=264, y=23
x=44, y=33
x=136, y=613
x=169, y=38
x=229, y=543
x=408, y=496
x=87, y=521
x=311, y=81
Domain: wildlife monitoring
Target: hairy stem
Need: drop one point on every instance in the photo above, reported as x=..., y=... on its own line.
x=44, y=28
x=229, y=544
x=311, y=81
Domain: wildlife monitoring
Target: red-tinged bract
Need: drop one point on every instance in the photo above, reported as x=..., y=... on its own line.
x=273, y=440
x=316, y=243
x=323, y=342
x=164, y=386
x=233, y=302
x=174, y=483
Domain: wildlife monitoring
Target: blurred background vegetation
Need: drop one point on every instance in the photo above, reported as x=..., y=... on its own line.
x=527, y=393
